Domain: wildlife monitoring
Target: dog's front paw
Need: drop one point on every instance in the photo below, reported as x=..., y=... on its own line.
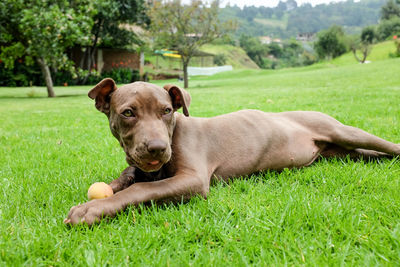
x=90, y=212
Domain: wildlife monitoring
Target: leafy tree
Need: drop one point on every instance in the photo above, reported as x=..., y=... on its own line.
x=249, y=12
x=388, y=28
x=254, y=49
x=107, y=29
x=275, y=50
x=368, y=35
x=390, y=9
x=185, y=28
x=363, y=44
x=41, y=31
x=330, y=43
x=266, y=12
x=288, y=54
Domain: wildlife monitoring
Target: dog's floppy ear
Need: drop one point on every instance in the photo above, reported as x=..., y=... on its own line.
x=180, y=98
x=101, y=93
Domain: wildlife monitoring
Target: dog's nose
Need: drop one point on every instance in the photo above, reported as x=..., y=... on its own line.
x=156, y=146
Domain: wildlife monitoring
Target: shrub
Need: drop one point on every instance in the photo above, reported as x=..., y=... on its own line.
x=122, y=75
x=330, y=43
x=368, y=35
x=23, y=75
x=397, y=45
x=62, y=78
x=388, y=28
x=220, y=59
x=20, y=75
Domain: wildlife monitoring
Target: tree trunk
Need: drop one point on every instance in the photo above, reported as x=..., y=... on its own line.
x=185, y=64
x=354, y=50
x=364, y=51
x=185, y=75
x=47, y=77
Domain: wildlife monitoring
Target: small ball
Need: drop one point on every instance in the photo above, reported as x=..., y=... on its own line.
x=99, y=190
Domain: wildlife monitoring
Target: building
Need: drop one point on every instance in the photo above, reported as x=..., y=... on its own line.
x=105, y=59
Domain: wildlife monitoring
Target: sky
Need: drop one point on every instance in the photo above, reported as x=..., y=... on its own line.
x=268, y=3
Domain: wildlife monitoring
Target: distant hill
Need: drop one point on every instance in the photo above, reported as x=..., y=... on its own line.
x=288, y=19
x=234, y=55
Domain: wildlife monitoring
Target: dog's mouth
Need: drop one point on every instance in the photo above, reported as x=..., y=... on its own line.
x=154, y=165
x=146, y=164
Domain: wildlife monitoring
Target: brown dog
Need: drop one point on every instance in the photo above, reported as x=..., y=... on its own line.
x=174, y=156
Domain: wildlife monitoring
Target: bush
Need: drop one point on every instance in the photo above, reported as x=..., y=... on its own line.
x=388, y=28
x=20, y=75
x=397, y=45
x=119, y=75
x=226, y=39
x=368, y=35
x=63, y=78
x=6, y=76
x=254, y=49
x=220, y=59
x=330, y=43
x=23, y=75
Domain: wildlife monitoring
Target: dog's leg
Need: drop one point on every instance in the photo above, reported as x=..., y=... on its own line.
x=333, y=150
x=126, y=179
x=133, y=175
x=178, y=187
x=352, y=138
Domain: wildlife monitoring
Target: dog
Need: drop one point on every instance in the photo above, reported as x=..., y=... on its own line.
x=173, y=157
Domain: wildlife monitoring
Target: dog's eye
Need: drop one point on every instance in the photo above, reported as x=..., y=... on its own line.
x=167, y=111
x=128, y=113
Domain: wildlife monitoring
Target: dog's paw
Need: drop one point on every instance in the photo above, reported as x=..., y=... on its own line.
x=90, y=212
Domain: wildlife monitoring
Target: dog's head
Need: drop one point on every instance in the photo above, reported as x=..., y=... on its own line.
x=142, y=118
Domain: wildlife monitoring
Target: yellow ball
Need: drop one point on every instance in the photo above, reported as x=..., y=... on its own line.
x=99, y=190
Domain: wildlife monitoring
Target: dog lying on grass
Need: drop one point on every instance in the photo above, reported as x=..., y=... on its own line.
x=172, y=156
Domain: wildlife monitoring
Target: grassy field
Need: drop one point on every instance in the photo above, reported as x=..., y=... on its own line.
x=235, y=56
x=276, y=23
x=379, y=52
x=336, y=212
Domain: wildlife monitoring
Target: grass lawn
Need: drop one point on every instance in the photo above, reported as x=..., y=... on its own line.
x=336, y=212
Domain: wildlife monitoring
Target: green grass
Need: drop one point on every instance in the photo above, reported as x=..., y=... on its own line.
x=336, y=212
x=379, y=51
x=235, y=55
x=275, y=23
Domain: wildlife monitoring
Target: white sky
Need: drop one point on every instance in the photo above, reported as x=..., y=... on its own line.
x=268, y=3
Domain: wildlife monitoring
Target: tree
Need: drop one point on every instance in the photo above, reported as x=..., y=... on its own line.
x=330, y=43
x=254, y=49
x=363, y=44
x=107, y=31
x=41, y=31
x=368, y=35
x=185, y=28
x=388, y=28
x=249, y=13
x=390, y=9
